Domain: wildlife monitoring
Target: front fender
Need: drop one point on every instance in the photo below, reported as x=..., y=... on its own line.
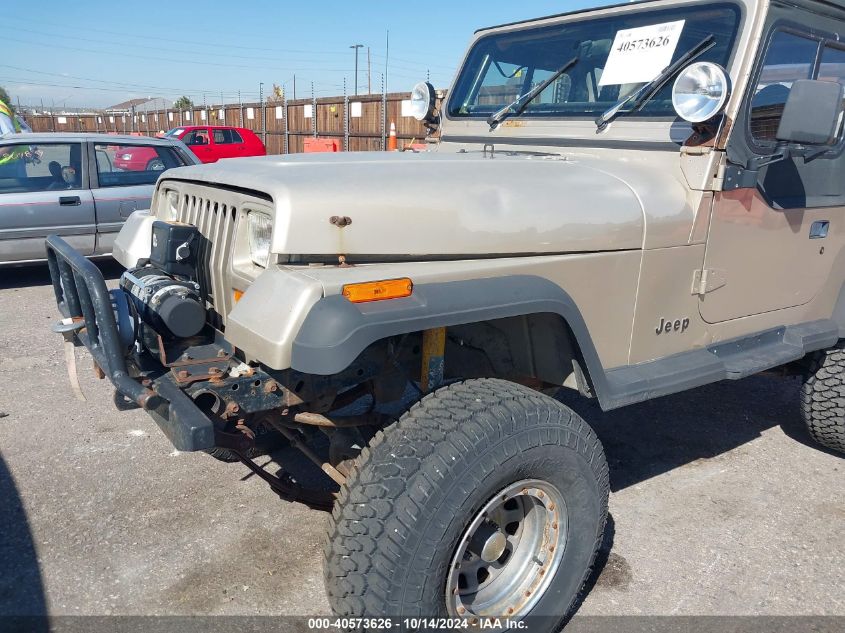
x=335, y=331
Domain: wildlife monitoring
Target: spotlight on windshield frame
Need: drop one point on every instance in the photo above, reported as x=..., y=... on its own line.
x=701, y=91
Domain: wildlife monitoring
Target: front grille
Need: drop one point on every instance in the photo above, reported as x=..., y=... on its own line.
x=216, y=223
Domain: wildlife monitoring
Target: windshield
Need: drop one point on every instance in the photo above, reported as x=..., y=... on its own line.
x=175, y=131
x=617, y=55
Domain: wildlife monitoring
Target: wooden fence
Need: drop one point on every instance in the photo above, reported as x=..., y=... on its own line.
x=359, y=122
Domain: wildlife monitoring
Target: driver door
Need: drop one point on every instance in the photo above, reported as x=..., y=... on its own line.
x=44, y=193
x=773, y=246
x=200, y=143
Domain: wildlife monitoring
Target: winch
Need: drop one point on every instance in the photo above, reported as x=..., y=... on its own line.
x=172, y=307
x=164, y=292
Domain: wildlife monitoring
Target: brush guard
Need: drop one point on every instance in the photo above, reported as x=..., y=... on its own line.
x=89, y=319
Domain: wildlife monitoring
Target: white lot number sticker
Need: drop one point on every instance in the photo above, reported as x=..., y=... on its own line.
x=638, y=55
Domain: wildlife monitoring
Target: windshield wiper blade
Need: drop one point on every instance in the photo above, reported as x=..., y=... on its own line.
x=642, y=96
x=518, y=106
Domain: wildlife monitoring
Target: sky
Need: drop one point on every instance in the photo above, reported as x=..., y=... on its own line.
x=93, y=53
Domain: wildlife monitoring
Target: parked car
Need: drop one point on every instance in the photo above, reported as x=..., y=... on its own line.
x=209, y=143
x=76, y=186
x=137, y=158
x=212, y=142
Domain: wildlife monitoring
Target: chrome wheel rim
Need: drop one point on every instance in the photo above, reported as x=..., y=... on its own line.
x=509, y=552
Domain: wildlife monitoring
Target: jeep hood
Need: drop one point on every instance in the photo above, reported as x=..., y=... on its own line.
x=429, y=204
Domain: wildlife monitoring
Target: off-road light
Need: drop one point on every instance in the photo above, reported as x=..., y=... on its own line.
x=378, y=290
x=700, y=91
x=423, y=98
x=170, y=209
x=260, y=227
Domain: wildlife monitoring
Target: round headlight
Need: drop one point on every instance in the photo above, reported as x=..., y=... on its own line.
x=701, y=91
x=423, y=98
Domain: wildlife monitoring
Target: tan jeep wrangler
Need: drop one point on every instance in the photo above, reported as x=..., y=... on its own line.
x=625, y=202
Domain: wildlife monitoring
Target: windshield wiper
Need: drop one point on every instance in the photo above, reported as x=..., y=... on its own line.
x=642, y=96
x=518, y=106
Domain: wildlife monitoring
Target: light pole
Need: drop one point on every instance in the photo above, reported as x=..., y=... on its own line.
x=356, y=47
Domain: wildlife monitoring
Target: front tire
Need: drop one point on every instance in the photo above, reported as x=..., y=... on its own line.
x=476, y=476
x=823, y=398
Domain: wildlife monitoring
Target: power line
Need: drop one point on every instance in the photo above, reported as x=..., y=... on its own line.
x=172, y=60
x=114, y=83
x=180, y=51
x=414, y=65
x=169, y=40
x=217, y=45
x=328, y=90
x=299, y=64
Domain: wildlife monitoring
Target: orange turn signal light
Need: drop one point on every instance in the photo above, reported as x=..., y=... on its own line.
x=379, y=290
x=237, y=294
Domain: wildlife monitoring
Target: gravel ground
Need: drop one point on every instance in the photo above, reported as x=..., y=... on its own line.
x=721, y=505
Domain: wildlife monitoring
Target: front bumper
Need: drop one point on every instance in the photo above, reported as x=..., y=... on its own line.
x=82, y=297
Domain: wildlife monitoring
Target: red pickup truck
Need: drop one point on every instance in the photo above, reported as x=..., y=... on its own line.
x=209, y=143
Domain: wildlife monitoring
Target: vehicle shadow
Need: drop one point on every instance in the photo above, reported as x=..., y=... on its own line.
x=652, y=438
x=649, y=439
x=13, y=277
x=600, y=564
x=23, y=605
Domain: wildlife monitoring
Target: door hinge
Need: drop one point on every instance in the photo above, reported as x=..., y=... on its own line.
x=707, y=280
x=719, y=179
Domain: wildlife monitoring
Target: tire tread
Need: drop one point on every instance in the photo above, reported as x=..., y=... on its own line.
x=823, y=397
x=362, y=548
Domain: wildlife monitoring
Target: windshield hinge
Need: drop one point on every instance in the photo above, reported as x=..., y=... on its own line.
x=707, y=280
x=719, y=178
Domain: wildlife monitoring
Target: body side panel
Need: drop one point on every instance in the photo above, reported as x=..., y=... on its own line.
x=665, y=298
x=602, y=285
x=766, y=255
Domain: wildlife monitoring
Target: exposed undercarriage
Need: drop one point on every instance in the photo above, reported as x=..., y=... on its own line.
x=329, y=419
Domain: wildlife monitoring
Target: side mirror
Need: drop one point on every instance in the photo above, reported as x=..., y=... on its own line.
x=812, y=114
x=810, y=124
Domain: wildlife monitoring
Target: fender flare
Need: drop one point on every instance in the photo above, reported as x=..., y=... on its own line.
x=335, y=331
x=839, y=312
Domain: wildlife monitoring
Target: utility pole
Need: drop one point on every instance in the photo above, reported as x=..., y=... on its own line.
x=369, y=73
x=387, y=64
x=263, y=113
x=345, y=118
x=356, y=47
x=294, y=86
x=313, y=110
